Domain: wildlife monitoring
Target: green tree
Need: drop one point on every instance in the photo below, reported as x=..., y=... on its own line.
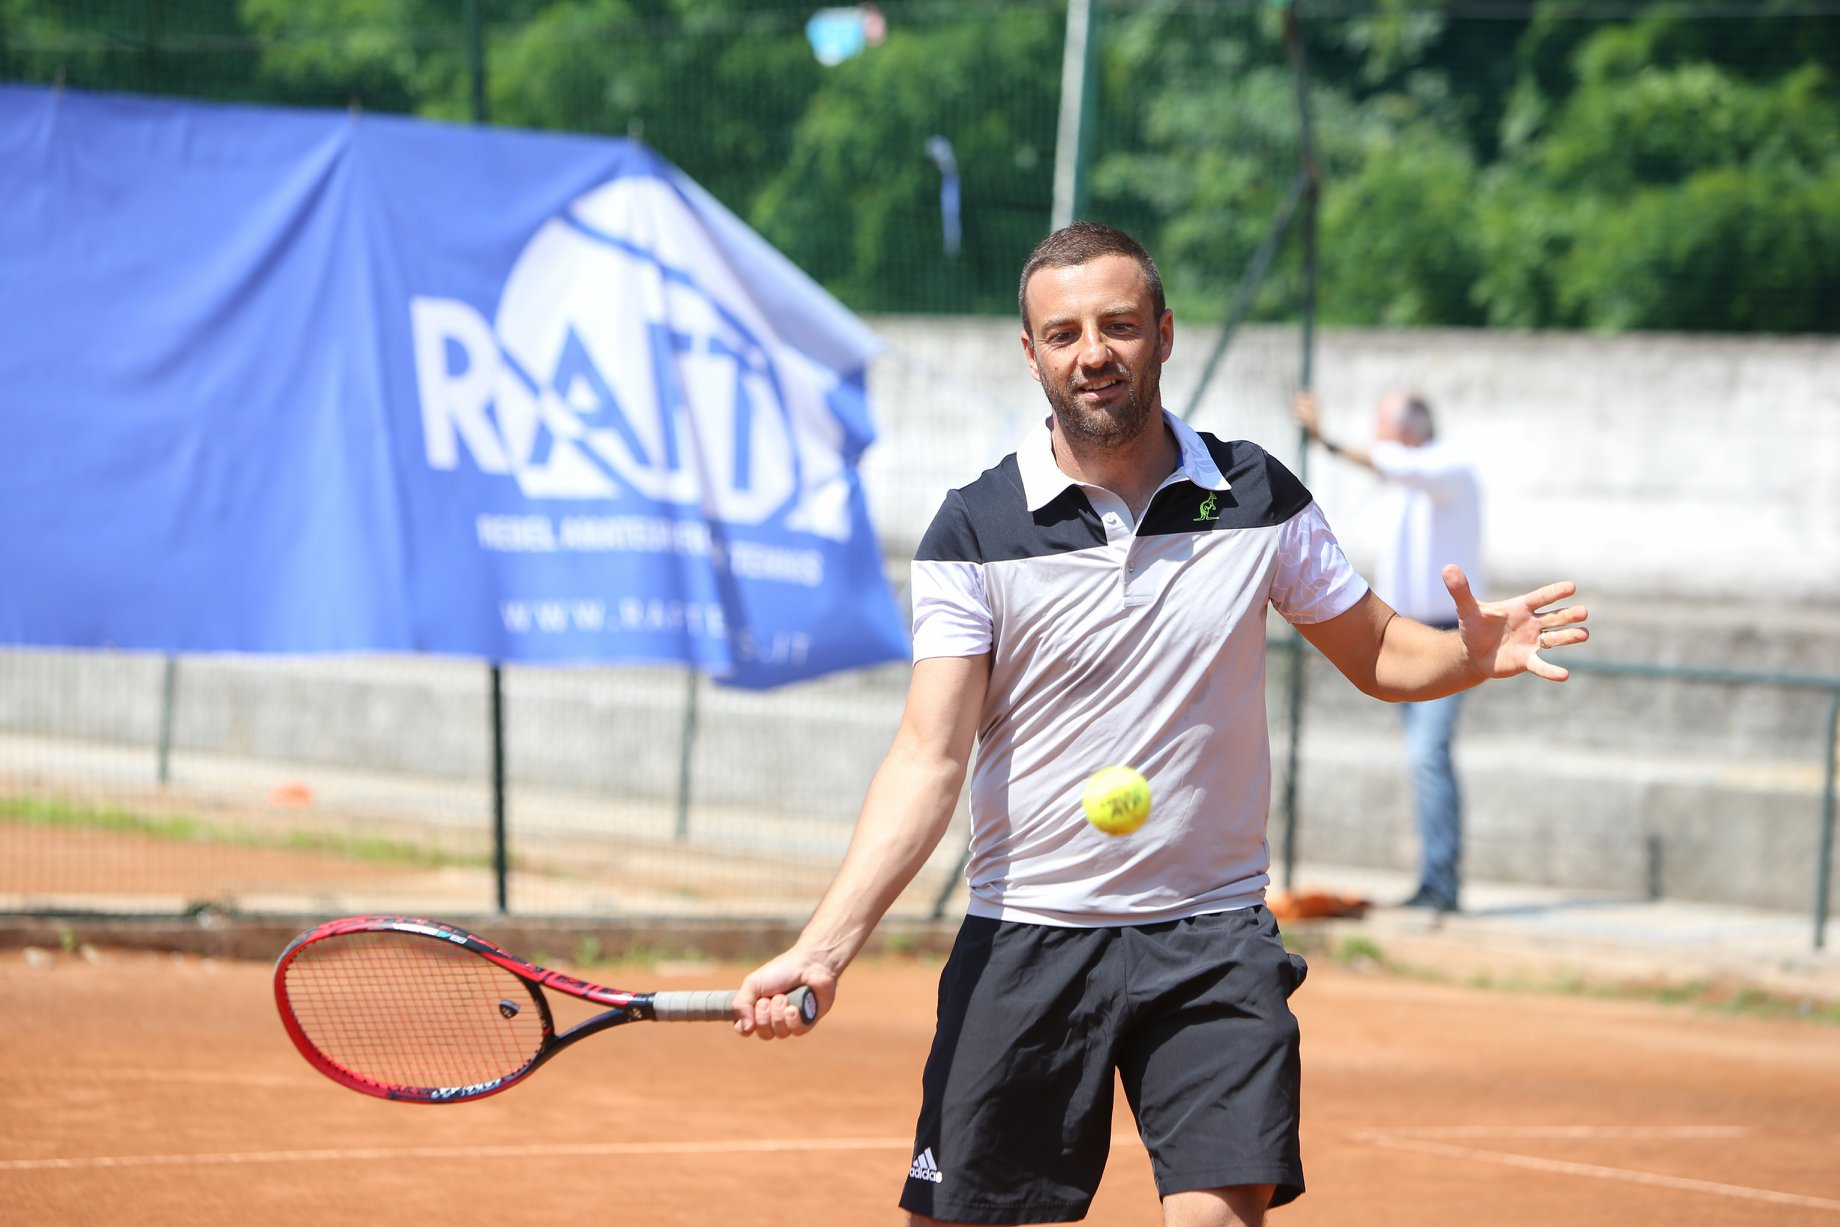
x=1197, y=147
x=1207, y=151
x=197, y=48
x=1400, y=245
x=383, y=55
x=716, y=86
x=1664, y=194
x=857, y=203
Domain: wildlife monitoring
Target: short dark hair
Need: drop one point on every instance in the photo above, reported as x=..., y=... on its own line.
x=1082, y=243
x=1416, y=419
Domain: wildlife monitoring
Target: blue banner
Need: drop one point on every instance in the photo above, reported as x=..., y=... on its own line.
x=307, y=382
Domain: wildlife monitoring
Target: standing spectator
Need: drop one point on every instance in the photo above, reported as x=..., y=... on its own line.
x=1436, y=519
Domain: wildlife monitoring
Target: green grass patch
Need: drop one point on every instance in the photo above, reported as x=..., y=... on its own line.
x=189, y=829
x=1734, y=1000
x=1358, y=951
x=69, y=815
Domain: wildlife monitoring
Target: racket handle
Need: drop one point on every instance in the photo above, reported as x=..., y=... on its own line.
x=718, y=1005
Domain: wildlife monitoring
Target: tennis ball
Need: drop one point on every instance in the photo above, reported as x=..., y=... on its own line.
x=1116, y=800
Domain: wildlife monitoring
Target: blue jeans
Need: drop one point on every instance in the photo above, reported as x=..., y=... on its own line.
x=1430, y=727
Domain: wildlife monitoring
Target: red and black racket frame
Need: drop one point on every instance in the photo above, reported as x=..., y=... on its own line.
x=624, y=1007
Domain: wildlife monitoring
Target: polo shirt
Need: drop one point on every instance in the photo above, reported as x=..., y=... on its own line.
x=1436, y=520
x=1122, y=641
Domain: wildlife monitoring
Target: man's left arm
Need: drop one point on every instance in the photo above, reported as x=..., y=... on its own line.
x=1392, y=657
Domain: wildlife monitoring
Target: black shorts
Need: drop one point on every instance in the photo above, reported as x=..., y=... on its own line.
x=1016, y=1120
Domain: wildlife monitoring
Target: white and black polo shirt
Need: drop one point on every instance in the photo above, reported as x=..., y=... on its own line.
x=1121, y=642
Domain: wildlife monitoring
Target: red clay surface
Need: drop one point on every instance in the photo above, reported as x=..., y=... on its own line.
x=160, y=1090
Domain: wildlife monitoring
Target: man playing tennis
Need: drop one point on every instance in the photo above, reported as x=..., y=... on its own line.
x=1099, y=597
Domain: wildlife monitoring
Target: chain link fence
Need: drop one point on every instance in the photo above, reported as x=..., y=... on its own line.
x=147, y=786
x=1562, y=165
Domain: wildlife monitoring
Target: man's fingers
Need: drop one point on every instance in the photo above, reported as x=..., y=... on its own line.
x=1458, y=584
x=1563, y=637
x=764, y=1023
x=778, y=1018
x=758, y=1018
x=1539, y=666
x=1539, y=598
x=1571, y=615
x=767, y=1014
x=754, y=1009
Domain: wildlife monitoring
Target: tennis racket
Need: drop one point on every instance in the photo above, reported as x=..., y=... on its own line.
x=425, y=1012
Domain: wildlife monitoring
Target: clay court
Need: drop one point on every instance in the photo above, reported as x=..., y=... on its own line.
x=159, y=1089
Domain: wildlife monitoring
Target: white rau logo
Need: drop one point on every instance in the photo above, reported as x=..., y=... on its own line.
x=626, y=360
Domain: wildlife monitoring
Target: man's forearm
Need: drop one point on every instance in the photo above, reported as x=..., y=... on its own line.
x=1419, y=662
x=905, y=813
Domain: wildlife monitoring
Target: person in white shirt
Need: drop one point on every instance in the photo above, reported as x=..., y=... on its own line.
x=1436, y=520
x=1099, y=597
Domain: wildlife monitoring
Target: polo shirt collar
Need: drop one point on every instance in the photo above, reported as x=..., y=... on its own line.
x=1043, y=481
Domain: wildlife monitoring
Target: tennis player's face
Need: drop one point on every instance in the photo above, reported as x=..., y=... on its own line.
x=1096, y=345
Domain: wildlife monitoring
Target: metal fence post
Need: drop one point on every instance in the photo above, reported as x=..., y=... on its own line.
x=169, y=692
x=501, y=851
x=686, y=756
x=476, y=61
x=1309, y=176
x=1079, y=62
x=1824, y=868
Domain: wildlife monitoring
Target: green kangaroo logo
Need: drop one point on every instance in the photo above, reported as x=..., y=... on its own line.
x=1207, y=511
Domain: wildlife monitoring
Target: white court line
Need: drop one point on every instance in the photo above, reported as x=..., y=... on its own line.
x=587, y=1150
x=1566, y=1167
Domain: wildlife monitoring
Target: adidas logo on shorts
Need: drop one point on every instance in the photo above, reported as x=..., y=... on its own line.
x=924, y=1168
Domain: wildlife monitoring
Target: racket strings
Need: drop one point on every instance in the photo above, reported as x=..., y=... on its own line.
x=413, y=1011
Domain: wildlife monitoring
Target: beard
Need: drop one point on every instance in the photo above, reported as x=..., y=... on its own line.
x=1113, y=425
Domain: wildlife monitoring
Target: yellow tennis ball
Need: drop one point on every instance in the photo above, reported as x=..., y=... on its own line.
x=1116, y=800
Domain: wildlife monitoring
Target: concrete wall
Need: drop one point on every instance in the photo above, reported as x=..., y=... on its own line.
x=1651, y=466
